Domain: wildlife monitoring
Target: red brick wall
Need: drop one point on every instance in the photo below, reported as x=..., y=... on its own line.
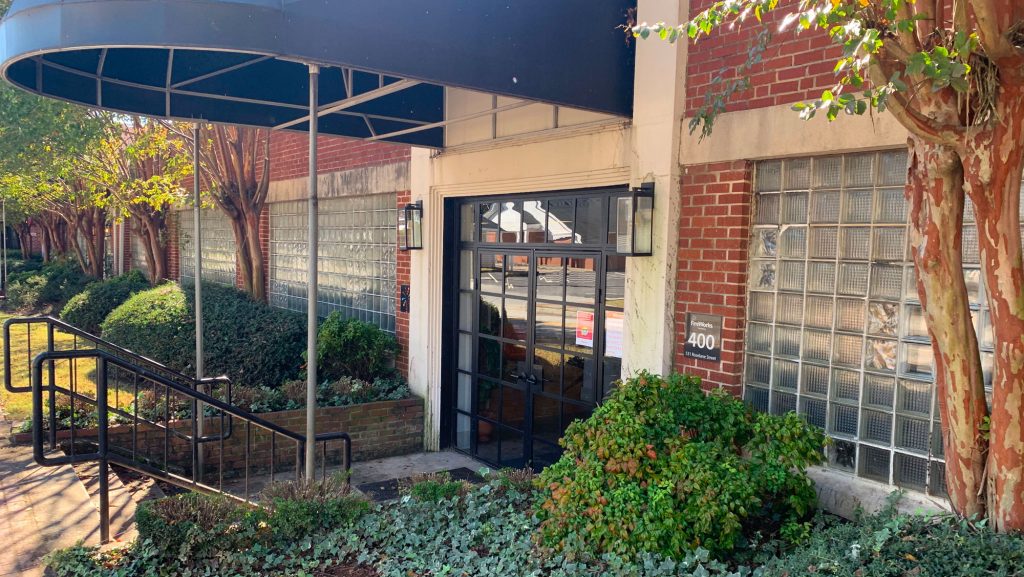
x=403, y=277
x=289, y=154
x=714, y=229
x=796, y=66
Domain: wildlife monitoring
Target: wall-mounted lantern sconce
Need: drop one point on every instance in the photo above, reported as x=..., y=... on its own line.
x=634, y=222
x=410, y=226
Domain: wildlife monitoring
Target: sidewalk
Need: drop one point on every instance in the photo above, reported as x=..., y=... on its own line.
x=41, y=509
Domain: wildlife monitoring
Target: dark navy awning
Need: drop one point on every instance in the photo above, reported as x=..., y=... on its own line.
x=385, y=64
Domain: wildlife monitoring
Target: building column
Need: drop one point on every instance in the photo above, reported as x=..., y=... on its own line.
x=658, y=110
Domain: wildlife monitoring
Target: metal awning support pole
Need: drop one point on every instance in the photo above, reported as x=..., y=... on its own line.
x=312, y=291
x=3, y=284
x=197, y=247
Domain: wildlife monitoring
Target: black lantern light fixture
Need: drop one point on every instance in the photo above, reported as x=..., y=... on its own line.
x=410, y=226
x=634, y=222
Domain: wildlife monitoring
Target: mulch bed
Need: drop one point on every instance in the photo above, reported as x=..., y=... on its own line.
x=349, y=571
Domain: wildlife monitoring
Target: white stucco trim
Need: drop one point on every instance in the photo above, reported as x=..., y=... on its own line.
x=393, y=177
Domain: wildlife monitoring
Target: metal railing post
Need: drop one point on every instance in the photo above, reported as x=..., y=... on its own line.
x=101, y=399
x=53, y=389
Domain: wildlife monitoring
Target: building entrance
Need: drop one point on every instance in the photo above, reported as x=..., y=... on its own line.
x=538, y=334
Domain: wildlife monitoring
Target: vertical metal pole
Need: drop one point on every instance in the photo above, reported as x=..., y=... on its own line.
x=101, y=397
x=312, y=291
x=197, y=247
x=3, y=284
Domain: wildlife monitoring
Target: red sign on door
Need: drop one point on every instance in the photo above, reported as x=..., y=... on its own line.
x=585, y=329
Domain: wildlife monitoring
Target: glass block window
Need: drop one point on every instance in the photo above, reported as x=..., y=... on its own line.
x=139, y=256
x=357, y=261
x=834, y=324
x=219, y=251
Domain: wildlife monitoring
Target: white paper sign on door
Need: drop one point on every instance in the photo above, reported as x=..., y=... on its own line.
x=614, y=325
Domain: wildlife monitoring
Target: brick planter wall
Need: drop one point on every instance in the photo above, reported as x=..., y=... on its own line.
x=381, y=429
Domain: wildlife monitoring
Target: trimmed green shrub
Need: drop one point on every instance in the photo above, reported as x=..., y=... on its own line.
x=662, y=467
x=298, y=509
x=49, y=287
x=353, y=348
x=250, y=342
x=192, y=527
x=87, y=309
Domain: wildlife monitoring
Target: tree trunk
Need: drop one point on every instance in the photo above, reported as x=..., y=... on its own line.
x=148, y=232
x=44, y=243
x=935, y=196
x=25, y=240
x=246, y=229
x=993, y=162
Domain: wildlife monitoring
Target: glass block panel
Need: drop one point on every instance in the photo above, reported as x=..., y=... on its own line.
x=766, y=243
x=757, y=397
x=876, y=426
x=769, y=176
x=821, y=277
x=218, y=249
x=786, y=374
x=986, y=370
x=938, y=449
x=878, y=390
x=968, y=210
x=874, y=463
x=886, y=282
x=858, y=170
x=850, y=315
x=842, y=455
x=969, y=250
x=912, y=434
x=767, y=210
x=759, y=370
x=819, y=312
x=880, y=354
x=889, y=244
x=828, y=172
x=918, y=361
x=891, y=206
x=825, y=206
x=937, y=479
x=857, y=205
x=847, y=350
x=910, y=284
x=793, y=242
x=762, y=307
x=856, y=243
x=759, y=338
x=910, y=472
x=883, y=319
x=787, y=341
x=815, y=411
x=817, y=345
x=783, y=403
x=791, y=309
x=913, y=323
x=892, y=168
x=791, y=275
x=853, y=279
x=763, y=274
x=914, y=397
x=824, y=242
x=985, y=335
x=845, y=385
x=972, y=278
x=814, y=379
x=794, y=208
x=798, y=174
x=843, y=420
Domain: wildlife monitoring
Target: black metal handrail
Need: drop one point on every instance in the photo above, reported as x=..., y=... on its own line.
x=204, y=408
x=52, y=325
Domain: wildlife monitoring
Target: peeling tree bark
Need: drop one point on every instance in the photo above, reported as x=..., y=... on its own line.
x=993, y=162
x=935, y=195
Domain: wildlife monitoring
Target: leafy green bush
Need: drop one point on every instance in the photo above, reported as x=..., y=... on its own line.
x=662, y=467
x=299, y=509
x=353, y=348
x=48, y=287
x=192, y=527
x=248, y=341
x=87, y=309
x=344, y=392
x=435, y=487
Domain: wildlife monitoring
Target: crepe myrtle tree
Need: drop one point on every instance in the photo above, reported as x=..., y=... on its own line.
x=952, y=73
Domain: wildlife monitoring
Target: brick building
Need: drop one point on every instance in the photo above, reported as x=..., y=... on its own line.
x=778, y=265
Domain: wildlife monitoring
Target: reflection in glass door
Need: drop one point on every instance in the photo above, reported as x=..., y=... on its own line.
x=539, y=325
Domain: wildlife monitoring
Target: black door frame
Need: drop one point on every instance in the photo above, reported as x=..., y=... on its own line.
x=453, y=244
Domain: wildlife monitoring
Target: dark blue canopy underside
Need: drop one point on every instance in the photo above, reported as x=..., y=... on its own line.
x=384, y=64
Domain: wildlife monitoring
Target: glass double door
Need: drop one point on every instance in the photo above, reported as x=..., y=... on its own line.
x=528, y=341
